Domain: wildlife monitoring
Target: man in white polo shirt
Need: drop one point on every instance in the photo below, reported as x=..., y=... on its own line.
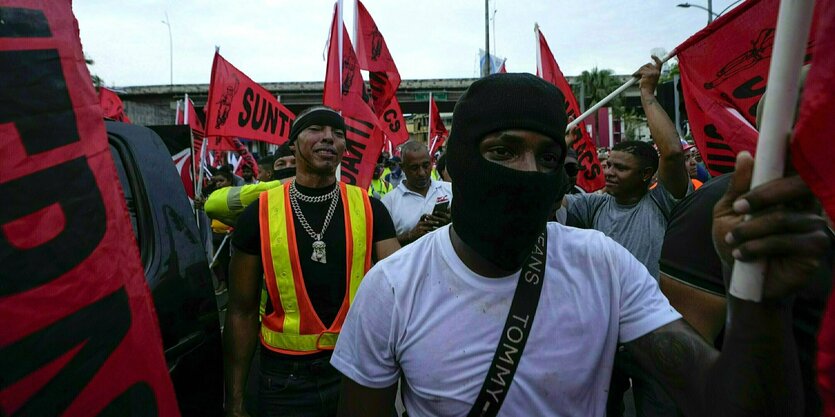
x=412, y=203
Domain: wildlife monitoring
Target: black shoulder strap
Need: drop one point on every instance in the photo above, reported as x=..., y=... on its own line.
x=515, y=333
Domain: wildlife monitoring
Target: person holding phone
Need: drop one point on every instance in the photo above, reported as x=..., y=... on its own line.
x=419, y=204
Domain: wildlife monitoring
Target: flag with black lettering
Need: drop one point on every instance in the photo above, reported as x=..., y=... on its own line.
x=374, y=56
x=112, y=106
x=346, y=93
x=79, y=331
x=812, y=152
x=724, y=70
x=591, y=174
x=240, y=107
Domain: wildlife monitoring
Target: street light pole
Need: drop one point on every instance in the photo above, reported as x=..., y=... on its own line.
x=708, y=9
x=486, y=69
x=166, y=22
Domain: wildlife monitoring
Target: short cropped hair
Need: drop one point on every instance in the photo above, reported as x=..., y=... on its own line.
x=267, y=161
x=646, y=154
x=413, y=146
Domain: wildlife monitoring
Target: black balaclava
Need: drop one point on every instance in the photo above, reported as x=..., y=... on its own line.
x=499, y=211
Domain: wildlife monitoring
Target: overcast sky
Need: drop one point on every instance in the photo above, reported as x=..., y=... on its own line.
x=283, y=40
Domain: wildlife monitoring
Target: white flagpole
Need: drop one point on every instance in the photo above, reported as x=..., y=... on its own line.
x=538, y=51
x=200, y=176
x=340, y=31
x=792, y=33
x=608, y=98
x=339, y=26
x=356, y=22
x=185, y=112
x=429, y=124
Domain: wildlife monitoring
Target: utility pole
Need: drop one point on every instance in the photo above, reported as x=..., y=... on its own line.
x=170, y=49
x=485, y=71
x=709, y=11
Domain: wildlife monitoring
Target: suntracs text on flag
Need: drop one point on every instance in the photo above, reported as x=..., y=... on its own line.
x=240, y=107
x=363, y=135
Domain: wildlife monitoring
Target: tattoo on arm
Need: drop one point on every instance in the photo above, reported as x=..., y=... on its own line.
x=678, y=358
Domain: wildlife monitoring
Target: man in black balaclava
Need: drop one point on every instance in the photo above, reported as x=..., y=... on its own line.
x=503, y=311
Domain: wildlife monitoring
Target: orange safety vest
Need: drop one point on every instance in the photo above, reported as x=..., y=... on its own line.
x=293, y=327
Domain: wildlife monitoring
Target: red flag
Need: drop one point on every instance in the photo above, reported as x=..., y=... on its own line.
x=238, y=106
x=373, y=55
x=591, y=178
x=437, y=131
x=363, y=138
x=724, y=69
x=80, y=335
x=221, y=143
x=112, y=106
x=502, y=69
x=246, y=158
x=812, y=153
x=193, y=121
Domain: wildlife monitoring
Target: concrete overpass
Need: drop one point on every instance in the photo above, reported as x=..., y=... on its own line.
x=155, y=105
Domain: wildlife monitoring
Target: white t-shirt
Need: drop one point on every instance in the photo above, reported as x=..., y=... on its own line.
x=422, y=313
x=406, y=207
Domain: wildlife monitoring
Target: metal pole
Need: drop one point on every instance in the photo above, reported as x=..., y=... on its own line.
x=709, y=11
x=486, y=69
x=793, y=23
x=582, y=96
x=495, y=51
x=609, y=98
x=170, y=49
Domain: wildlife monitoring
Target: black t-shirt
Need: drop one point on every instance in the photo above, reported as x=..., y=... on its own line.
x=688, y=255
x=325, y=283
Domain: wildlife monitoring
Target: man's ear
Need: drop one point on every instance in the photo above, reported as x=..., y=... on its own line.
x=648, y=172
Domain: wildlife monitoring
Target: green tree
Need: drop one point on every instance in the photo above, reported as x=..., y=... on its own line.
x=595, y=85
x=97, y=81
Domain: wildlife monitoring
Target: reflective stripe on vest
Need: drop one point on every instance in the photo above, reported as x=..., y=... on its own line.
x=292, y=327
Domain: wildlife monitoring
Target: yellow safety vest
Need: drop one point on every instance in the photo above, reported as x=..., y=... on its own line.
x=226, y=204
x=293, y=327
x=379, y=188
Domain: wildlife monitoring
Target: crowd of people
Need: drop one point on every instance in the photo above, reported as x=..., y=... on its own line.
x=523, y=295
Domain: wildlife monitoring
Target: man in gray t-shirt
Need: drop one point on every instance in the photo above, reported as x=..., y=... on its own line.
x=634, y=215
x=630, y=212
x=638, y=227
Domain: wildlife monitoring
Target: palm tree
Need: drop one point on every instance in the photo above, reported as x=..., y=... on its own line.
x=97, y=81
x=597, y=84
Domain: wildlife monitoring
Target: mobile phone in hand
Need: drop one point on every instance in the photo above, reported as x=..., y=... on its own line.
x=442, y=207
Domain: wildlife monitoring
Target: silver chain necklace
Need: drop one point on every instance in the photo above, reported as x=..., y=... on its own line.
x=319, y=246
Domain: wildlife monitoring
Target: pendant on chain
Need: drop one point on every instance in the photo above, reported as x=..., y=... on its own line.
x=319, y=252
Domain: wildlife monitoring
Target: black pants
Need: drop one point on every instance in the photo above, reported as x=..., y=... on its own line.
x=297, y=387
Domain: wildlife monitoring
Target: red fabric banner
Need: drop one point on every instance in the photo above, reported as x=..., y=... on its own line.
x=363, y=136
x=438, y=132
x=724, y=70
x=80, y=333
x=813, y=151
x=221, y=143
x=112, y=106
x=591, y=176
x=239, y=107
x=193, y=121
x=503, y=69
x=373, y=55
